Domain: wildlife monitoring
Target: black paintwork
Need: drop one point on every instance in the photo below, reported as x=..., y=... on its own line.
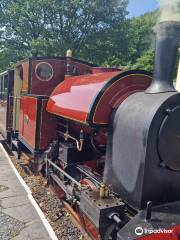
x=99, y=210
x=29, y=75
x=167, y=43
x=69, y=154
x=7, y=98
x=169, y=139
x=133, y=165
x=38, y=123
x=28, y=146
x=163, y=217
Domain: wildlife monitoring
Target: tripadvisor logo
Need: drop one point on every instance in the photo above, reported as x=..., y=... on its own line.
x=139, y=231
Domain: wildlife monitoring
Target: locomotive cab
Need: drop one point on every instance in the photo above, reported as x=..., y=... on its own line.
x=34, y=76
x=35, y=80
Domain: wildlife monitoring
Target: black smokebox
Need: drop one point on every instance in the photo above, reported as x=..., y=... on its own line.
x=167, y=44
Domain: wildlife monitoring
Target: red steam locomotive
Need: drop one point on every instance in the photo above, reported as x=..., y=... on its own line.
x=106, y=138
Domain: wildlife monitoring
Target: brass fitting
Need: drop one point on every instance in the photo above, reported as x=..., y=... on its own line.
x=69, y=53
x=102, y=191
x=66, y=135
x=79, y=143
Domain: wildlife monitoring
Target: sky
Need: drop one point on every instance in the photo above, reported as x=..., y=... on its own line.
x=139, y=7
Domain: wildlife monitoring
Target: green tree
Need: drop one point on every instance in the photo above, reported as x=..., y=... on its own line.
x=139, y=47
x=145, y=62
x=141, y=37
x=49, y=27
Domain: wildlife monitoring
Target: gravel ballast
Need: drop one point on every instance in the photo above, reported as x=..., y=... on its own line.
x=51, y=206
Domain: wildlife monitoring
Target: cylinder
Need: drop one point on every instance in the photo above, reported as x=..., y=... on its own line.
x=167, y=44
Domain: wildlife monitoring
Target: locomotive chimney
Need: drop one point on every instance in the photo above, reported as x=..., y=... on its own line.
x=167, y=43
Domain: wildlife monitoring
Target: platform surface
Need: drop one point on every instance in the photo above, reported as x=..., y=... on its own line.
x=19, y=220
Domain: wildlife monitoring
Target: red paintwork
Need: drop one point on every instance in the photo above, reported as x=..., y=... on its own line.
x=28, y=118
x=76, y=97
x=59, y=68
x=90, y=228
x=28, y=110
x=117, y=93
x=33, y=85
x=46, y=87
x=48, y=126
x=164, y=236
x=82, y=68
x=104, y=69
x=84, y=222
x=99, y=138
x=72, y=98
x=25, y=76
x=58, y=191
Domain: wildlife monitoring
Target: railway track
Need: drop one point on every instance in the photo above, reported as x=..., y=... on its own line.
x=59, y=214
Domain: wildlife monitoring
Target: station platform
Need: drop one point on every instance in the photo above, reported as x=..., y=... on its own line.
x=20, y=216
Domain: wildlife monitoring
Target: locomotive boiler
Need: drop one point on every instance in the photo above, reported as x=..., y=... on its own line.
x=107, y=139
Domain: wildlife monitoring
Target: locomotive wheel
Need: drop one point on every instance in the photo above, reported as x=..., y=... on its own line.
x=111, y=232
x=88, y=182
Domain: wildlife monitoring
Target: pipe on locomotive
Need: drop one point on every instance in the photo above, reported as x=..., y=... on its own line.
x=79, y=143
x=167, y=44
